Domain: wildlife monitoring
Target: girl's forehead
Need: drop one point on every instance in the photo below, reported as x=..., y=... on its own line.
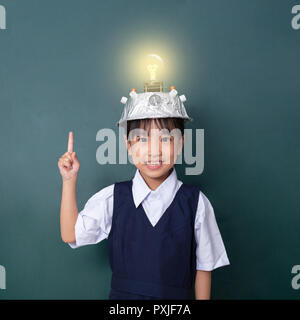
x=151, y=131
x=153, y=134
x=153, y=126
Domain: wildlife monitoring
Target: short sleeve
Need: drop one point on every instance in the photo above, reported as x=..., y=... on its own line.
x=210, y=249
x=93, y=223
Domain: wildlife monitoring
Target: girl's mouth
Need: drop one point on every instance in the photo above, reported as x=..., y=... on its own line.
x=154, y=165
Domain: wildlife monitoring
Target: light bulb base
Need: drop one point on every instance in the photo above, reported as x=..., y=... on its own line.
x=153, y=86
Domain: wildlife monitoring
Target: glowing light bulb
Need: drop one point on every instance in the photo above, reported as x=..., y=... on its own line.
x=154, y=63
x=152, y=68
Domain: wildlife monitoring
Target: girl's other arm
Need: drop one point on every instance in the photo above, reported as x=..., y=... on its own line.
x=68, y=165
x=202, y=285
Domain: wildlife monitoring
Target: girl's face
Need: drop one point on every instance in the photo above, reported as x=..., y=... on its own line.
x=154, y=154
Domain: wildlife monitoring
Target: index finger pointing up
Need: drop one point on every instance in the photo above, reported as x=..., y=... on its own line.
x=70, y=142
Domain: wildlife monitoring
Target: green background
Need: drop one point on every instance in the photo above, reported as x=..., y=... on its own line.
x=65, y=66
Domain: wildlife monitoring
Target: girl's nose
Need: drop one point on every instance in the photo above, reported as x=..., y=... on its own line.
x=155, y=148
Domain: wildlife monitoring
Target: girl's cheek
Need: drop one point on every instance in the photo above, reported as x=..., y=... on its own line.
x=139, y=153
x=167, y=156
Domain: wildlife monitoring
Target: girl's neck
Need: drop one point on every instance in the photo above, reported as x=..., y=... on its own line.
x=154, y=183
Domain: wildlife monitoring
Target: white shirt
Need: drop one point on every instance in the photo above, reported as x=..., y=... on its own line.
x=94, y=221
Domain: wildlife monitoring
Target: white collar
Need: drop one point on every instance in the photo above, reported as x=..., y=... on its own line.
x=140, y=189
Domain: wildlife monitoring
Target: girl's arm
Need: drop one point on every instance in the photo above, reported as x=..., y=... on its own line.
x=68, y=211
x=202, y=285
x=68, y=165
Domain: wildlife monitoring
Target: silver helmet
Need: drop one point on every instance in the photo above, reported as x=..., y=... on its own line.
x=153, y=105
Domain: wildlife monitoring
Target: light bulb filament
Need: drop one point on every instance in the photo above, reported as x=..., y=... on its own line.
x=152, y=68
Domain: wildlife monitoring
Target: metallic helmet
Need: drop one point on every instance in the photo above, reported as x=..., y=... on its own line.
x=153, y=105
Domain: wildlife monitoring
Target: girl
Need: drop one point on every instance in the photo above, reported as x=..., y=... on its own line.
x=162, y=234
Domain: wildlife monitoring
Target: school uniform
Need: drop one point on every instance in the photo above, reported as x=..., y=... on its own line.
x=156, y=239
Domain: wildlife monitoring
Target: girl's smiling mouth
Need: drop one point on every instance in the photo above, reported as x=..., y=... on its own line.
x=154, y=165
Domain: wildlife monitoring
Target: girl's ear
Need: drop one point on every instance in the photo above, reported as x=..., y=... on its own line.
x=180, y=149
x=127, y=143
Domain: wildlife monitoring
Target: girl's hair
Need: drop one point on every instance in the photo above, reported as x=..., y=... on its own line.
x=161, y=123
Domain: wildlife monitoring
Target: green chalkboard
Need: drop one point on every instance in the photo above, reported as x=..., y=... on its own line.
x=64, y=65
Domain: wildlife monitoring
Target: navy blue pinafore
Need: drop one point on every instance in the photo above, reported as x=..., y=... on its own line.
x=153, y=262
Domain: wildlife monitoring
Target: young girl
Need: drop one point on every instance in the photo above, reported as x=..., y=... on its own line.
x=162, y=234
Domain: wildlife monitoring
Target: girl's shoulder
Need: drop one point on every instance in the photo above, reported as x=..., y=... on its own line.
x=188, y=187
x=104, y=193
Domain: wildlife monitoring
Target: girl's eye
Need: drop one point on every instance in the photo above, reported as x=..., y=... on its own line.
x=145, y=139
x=141, y=139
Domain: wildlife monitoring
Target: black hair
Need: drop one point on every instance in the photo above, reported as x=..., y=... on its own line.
x=161, y=123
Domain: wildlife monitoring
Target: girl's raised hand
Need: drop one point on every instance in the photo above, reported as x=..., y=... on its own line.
x=68, y=163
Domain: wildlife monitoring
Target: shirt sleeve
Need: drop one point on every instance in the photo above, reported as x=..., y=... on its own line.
x=210, y=249
x=93, y=223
